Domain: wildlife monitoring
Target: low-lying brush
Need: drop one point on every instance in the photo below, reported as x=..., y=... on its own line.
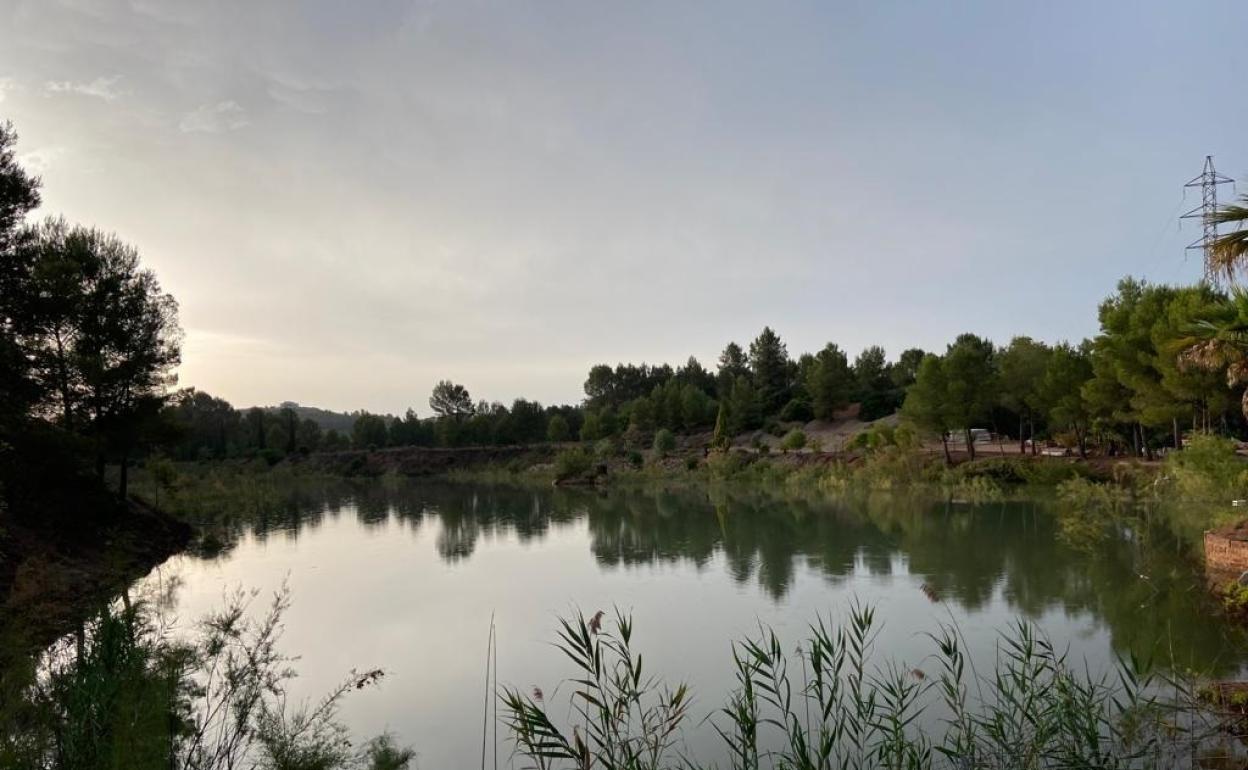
x=129, y=693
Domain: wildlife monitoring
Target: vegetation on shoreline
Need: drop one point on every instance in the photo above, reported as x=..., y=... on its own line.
x=131, y=692
x=831, y=703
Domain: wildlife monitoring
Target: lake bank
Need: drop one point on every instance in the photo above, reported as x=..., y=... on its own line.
x=52, y=578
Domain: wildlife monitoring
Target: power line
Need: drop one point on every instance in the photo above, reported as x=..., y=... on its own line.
x=1208, y=181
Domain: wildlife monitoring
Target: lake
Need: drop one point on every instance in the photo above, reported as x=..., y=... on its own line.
x=406, y=577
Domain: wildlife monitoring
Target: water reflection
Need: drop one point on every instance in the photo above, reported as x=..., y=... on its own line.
x=1132, y=574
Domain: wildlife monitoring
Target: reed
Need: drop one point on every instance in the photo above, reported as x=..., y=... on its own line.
x=833, y=704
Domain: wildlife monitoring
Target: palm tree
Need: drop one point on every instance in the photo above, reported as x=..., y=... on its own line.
x=1221, y=342
x=1230, y=251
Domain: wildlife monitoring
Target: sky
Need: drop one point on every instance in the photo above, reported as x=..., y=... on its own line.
x=352, y=201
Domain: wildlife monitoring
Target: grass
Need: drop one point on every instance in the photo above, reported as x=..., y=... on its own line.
x=832, y=704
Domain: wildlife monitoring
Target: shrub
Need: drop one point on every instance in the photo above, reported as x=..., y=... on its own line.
x=1207, y=469
x=635, y=458
x=135, y=695
x=1235, y=597
x=664, y=442
x=794, y=439
x=797, y=410
x=726, y=464
x=573, y=463
x=691, y=463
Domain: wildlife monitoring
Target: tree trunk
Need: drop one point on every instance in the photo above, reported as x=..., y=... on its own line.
x=1022, y=438
x=944, y=442
x=970, y=443
x=1081, y=436
x=1178, y=437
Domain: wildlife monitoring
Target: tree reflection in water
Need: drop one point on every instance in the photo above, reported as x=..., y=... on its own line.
x=1131, y=571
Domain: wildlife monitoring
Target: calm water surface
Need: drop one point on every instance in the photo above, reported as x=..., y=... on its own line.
x=406, y=578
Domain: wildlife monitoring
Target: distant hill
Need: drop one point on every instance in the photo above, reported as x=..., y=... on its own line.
x=339, y=421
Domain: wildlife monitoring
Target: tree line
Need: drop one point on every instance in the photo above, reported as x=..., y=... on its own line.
x=1136, y=387
x=204, y=427
x=1159, y=368
x=630, y=402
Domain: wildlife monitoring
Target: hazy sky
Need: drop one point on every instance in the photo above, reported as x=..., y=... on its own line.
x=353, y=200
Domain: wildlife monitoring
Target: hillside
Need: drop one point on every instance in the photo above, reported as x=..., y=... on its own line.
x=328, y=420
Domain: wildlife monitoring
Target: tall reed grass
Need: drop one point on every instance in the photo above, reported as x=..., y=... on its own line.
x=833, y=704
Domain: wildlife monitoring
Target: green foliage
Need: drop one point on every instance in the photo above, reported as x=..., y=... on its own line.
x=664, y=442
x=369, y=431
x=631, y=721
x=797, y=410
x=724, y=465
x=770, y=370
x=744, y=407
x=971, y=383
x=794, y=439
x=722, y=437
x=1208, y=469
x=133, y=696
x=451, y=400
x=829, y=382
x=832, y=704
x=382, y=753
x=557, y=430
x=573, y=464
x=1234, y=598
x=926, y=401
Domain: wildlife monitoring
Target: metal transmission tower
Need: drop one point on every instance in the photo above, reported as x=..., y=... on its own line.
x=1208, y=182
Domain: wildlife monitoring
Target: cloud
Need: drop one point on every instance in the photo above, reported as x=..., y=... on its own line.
x=6, y=85
x=101, y=88
x=39, y=160
x=214, y=118
x=299, y=95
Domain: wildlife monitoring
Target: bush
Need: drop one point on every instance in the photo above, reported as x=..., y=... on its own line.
x=691, y=463
x=794, y=439
x=726, y=464
x=797, y=410
x=635, y=459
x=136, y=696
x=664, y=442
x=573, y=463
x=1207, y=469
